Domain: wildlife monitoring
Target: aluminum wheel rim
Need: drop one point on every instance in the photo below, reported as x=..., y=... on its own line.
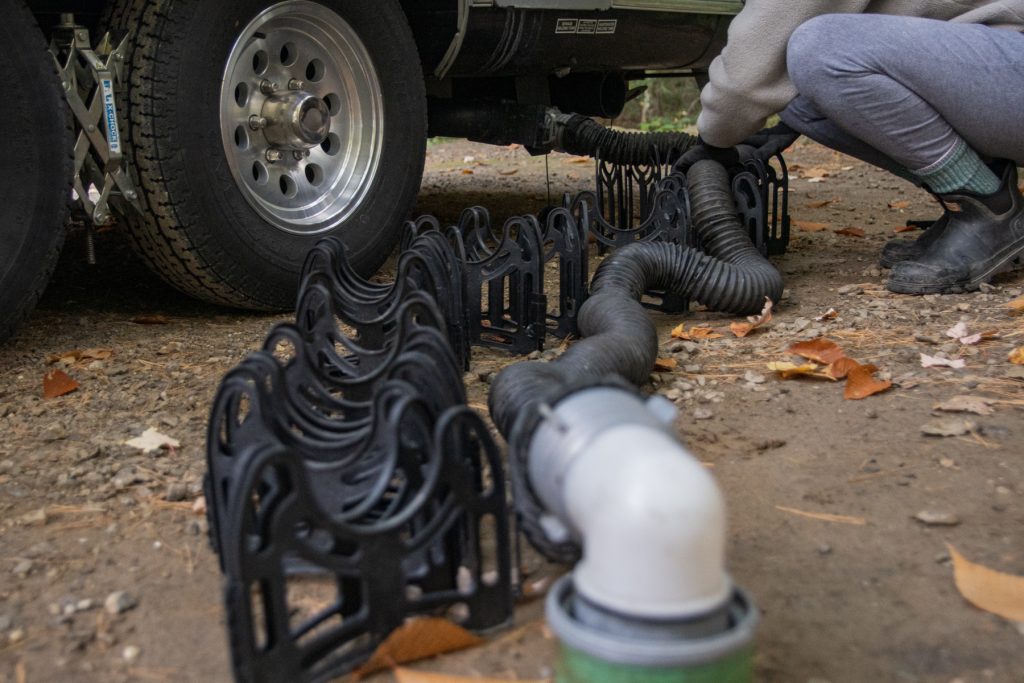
x=302, y=48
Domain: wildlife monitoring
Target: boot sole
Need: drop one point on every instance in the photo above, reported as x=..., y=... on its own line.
x=1013, y=255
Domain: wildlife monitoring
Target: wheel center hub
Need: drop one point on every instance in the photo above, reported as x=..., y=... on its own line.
x=296, y=120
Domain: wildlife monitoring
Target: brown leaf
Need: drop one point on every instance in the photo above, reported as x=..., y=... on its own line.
x=814, y=173
x=809, y=226
x=987, y=589
x=694, y=333
x=65, y=357
x=821, y=203
x=821, y=349
x=830, y=314
x=417, y=639
x=788, y=370
x=1017, y=356
x=580, y=160
x=905, y=228
x=411, y=676
x=151, y=320
x=851, y=232
x=1017, y=305
x=753, y=321
x=467, y=171
x=665, y=364
x=842, y=367
x=899, y=204
x=57, y=383
x=966, y=404
x=861, y=383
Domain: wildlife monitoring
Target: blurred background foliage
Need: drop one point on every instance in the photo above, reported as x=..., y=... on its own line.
x=668, y=104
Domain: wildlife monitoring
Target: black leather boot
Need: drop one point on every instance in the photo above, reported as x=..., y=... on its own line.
x=898, y=250
x=979, y=241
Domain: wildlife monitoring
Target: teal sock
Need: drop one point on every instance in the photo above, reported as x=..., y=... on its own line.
x=960, y=170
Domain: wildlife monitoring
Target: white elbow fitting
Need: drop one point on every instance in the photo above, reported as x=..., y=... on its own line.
x=650, y=518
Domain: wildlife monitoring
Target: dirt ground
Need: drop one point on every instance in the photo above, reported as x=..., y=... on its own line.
x=867, y=595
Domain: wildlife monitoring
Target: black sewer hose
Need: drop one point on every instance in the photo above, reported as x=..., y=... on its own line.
x=618, y=336
x=583, y=136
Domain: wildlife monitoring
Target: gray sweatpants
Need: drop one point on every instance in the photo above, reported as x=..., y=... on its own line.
x=901, y=92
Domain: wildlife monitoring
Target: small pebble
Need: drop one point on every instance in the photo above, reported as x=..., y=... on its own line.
x=934, y=518
x=119, y=602
x=824, y=549
x=702, y=414
x=131, y=653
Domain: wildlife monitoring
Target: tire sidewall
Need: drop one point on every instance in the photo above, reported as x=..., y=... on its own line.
x=222, y=226
x=35, y=167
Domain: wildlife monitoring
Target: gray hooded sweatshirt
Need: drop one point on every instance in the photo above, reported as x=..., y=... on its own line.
x=749, y=82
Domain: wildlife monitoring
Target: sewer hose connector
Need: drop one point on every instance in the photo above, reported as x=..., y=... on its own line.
x=600, y=475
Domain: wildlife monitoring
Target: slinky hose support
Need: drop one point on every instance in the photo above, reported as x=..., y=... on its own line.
x=618, y=336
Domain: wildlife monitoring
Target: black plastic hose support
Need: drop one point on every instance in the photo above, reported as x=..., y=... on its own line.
x=618, y=336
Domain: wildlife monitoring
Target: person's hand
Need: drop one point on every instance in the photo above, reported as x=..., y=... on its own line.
x=771, y=141
x=702, y=151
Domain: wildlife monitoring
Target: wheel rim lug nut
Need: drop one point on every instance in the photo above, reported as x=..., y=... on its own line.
x=268, y=87
x=273, y=155
x=296, y=84
x=257, y=122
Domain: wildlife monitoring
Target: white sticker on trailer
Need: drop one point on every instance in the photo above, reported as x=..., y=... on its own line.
x=567, y=26
x=110, y=114
x=587, y=27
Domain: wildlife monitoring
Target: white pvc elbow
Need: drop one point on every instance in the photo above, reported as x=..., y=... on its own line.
x=652, y=521
x=650, y=518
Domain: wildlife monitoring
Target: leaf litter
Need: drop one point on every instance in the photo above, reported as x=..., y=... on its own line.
x=58, y=383
x=830, y=362
x=754, y=321
x=987, y=589
x=416, y=639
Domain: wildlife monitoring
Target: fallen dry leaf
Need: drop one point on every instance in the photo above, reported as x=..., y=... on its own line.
x=821, y=203
x=665, y=364
x=815, y=174
x=905, y=228
x=753, y=321
x=695, y=333
x=936, y=362
x=851, y=232
x=809, y=226
x=964, y=336
x=151, y=320
x=788, y=370
x=467, y=171
x=825, y=517
x=821, y=349
x=580, y=160
x=830, y=314
x=966, y=404
x=899, y=204
x=1017, y=356
x=58, y=383
x=152, y=440
x=861, y=383
x=950, y=426
x=417, y=639
x=987, y=589
x=69, y=357
x=411, y=676
x=1017, y=305
x=841, y=368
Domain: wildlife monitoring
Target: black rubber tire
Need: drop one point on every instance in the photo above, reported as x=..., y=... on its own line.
x=36, y=166
x=199, y=233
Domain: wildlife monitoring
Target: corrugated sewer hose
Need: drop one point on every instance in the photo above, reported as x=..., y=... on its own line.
x=603, y=471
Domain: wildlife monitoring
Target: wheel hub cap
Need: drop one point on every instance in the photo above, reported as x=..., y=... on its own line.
x=296, y=121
